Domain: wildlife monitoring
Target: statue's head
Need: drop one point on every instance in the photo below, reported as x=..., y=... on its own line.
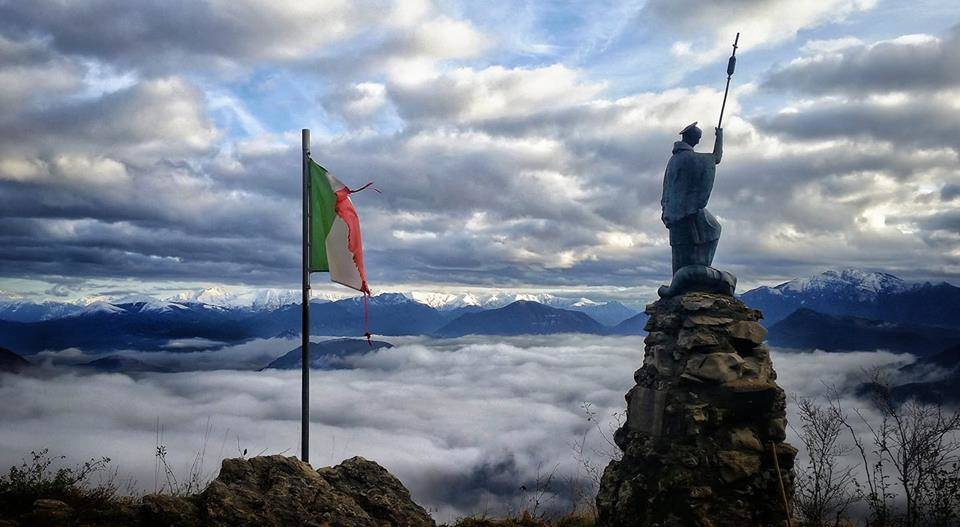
x=691, y=134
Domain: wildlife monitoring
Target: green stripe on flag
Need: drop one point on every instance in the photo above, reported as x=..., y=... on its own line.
x=323, y=203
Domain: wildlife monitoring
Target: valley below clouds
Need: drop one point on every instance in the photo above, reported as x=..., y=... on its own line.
x=468, y=424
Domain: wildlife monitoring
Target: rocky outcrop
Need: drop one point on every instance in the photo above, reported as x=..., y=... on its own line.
x=280, y=491
x=267, y=491
x=703, y=423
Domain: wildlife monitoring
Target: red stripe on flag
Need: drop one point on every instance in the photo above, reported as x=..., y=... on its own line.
x=344, y=209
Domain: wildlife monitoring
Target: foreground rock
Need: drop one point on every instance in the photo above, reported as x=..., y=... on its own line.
x=703, y=423
x=281, y=491
x=268, y=491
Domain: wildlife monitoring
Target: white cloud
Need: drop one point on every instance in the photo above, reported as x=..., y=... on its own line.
x=462, y=422
x=919, y=64
x=455, y=125
x=706, y=30
x=831, y=45
x=493, y=92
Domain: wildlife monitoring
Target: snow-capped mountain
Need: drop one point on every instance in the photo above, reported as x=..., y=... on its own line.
x=609, y=313
x=864, y=285
x=854, y=292
x=25, y=311
x=495, y=300
x=99, y=307
x=445, y=301
x=215, y=296
x=268, y=300
x=255, y=300
x=147, y=304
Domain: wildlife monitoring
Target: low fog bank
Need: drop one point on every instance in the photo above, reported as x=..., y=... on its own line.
x=464, y=423
x=251, y=355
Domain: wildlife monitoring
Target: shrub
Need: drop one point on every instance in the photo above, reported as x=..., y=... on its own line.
x=39, y=477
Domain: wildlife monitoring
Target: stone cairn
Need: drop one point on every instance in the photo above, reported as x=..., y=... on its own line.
x=703, y=423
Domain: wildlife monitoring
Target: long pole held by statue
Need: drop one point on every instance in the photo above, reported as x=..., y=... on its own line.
x=731, y=65
x=305, y=308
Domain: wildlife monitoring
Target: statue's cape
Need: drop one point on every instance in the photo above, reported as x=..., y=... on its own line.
x=687, y=182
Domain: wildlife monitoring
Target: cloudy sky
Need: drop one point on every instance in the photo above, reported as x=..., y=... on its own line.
x=150, y=146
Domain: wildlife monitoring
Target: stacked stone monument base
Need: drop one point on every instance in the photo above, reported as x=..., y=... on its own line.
x=703, y=423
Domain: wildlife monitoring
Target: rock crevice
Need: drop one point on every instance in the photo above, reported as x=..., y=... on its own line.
x=703, y=422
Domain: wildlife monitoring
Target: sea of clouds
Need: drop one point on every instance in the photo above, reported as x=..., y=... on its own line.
x=469, y=425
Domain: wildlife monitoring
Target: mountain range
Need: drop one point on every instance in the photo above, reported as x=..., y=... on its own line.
x=808, y=329
x=858, y=293
x=174, y=326
x=836, y=310
x=523, y=317
x=19, y=309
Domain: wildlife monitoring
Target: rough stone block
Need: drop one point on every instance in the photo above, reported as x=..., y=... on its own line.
x=697, y=302
x=745, y=439
x=777, y=429
x=736, y=465
x=748, y=331
x=698, y=337
x=655, y=337
x=756, y=369
x=706, y=320
x=716, y=367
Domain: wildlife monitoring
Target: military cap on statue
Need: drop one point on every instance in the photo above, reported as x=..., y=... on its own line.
x=690, y=127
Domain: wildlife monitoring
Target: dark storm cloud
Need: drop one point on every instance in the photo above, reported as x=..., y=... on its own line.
x=917, y=123
x=948, y=221
x=156, y=118
x=950, y=192
x=157, y=36
x=31, y=71
x=906, y=64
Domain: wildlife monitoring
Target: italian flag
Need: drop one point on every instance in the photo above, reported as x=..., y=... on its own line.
x=335, y=243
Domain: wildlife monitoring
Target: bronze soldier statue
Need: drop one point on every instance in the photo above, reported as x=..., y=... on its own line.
x=687, y=184
x=694, y=232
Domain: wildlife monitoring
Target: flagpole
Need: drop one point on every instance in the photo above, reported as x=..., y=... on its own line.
x=305, y=307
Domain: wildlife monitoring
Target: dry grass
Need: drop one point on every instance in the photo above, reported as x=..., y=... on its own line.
x=526, y=519
x=90, y=488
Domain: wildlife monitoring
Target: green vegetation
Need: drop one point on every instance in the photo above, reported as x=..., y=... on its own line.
x=89, y=489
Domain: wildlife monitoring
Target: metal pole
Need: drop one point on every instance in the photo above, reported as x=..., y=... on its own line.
x=731, y=66
x=783, y=491
x=305, y=308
